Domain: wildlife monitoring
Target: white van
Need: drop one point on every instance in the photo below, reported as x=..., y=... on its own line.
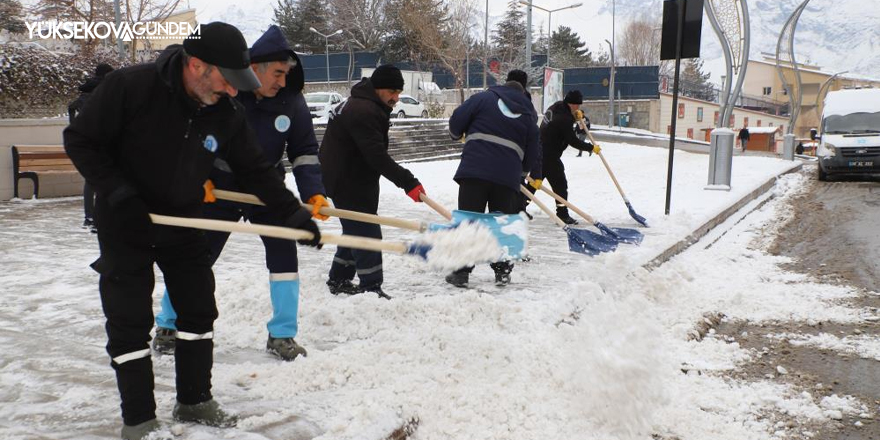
x=849, y=142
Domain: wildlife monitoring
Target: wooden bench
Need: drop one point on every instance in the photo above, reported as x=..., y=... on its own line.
x=31, y=161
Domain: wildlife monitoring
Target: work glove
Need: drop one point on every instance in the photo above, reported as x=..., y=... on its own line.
x=596, y=149
x=536, y=183
x=416, y=192
x=318, y=201
x=132, y=220
x=209, y=192
x=579, y=114
x=299, y=221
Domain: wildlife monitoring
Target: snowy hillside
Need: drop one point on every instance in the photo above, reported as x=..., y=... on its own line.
x=836, y=35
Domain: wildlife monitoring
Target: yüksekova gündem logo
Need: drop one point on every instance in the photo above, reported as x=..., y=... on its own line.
x=101, y=30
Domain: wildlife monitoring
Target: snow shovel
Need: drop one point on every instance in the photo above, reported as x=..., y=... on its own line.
x=436, y=206
x=624, y=235
x=632, y=212
x=333, y=212
x=579, y=240
x=370, y=244
x=511, y=231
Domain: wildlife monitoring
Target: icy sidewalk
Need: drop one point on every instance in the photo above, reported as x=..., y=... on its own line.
x=572, y=349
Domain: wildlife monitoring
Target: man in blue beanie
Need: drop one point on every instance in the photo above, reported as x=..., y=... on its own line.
x=278, y=113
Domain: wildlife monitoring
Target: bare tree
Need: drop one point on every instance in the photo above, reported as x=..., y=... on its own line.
x=639, y=45
x=449, y=42
x=147, y=10
x=363, y=21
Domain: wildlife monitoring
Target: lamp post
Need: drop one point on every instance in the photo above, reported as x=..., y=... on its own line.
x=611, y=88
x=327, y=50
x=549, y=21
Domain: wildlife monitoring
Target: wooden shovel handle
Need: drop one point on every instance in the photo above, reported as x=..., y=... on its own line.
x=370, y=244
x=436, y=206
x=334, y=212
x=542, y=206
x=566, y=203
x=608, y=167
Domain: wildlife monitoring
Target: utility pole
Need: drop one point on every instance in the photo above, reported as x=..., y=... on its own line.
x=486, y=46
x=611, y=88
x=119, y=47
x=528, y=35
x=327, y=50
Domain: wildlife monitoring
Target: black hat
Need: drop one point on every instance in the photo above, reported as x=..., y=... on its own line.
x=387, y=76
x=103, y=69
x=222, y=45
x=574, y=97
x=518, y=76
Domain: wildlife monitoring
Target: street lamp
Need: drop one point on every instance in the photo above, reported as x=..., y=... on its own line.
x=611, y=88
x=327, y=50
x=549, y=20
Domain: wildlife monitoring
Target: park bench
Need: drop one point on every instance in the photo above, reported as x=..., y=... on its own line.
x=32, y=161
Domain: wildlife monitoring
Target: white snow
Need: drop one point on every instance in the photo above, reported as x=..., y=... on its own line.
x=575, y=348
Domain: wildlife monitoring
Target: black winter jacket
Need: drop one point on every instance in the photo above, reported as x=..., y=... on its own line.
x=557, y=132
x=140, y=134
x=354, y=151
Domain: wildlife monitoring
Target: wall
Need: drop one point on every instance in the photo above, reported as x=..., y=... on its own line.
x=31, y=132
x=643, y=113
x=699, y=128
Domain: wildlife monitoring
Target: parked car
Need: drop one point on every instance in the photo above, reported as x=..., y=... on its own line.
x=320, y=103
x=409, y=107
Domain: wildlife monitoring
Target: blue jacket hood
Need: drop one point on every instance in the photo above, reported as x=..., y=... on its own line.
x=273, y=41
x=514, y=99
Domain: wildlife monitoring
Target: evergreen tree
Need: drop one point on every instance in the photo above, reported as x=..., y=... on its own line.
x=509, y=37
x=11, y=16
x=567, y=49
x=295, y=17
x=694, y=82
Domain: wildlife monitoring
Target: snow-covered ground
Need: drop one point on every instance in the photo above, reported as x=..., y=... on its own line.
x=576, y=347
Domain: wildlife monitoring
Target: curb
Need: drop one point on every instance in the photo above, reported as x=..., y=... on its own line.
x=704, y=229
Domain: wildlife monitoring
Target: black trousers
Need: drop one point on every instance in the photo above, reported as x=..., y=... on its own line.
x=476, y=195
x=126, y=285
x=88, y=201
x=347, y=262
x=554, y=172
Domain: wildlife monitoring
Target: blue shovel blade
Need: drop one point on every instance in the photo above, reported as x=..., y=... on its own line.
x=588, y=242
x=419, y=249
x=511, y=230
x=632, y=213
x=623, y=235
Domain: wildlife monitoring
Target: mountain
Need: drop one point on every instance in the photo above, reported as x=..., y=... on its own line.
x=838, y=35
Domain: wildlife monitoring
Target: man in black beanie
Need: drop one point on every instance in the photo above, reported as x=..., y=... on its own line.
x=279, y=115
x=354, y=154
x=557, y=133
x=147, y=141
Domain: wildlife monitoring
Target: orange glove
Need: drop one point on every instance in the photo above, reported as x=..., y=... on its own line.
x=318, y=201
x=209, y=192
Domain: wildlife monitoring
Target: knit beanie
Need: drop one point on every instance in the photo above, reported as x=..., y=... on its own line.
x=574, y=97
x=387, y=76
x=518, y=76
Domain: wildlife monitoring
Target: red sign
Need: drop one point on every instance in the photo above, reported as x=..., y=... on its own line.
x=716, y=118
x=690, y=133
x=680, y=111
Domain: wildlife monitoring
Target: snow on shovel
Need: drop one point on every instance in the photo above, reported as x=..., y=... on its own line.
x=509, y=230
x=623, y=235
x=579, y=240
x=467, y=245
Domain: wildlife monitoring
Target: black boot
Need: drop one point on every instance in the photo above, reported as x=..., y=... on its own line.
x=458, y=278
x=343, y=286
x=502, y=272
x=562, y=213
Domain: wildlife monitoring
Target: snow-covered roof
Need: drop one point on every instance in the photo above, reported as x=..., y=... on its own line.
x=763, y=130
x=845, y=102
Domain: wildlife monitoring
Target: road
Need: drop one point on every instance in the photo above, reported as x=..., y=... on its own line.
x=833, y=237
